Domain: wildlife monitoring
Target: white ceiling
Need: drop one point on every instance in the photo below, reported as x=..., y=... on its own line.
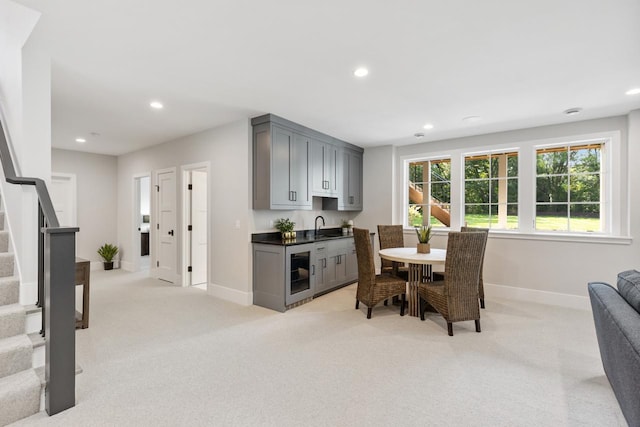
x=514, y=63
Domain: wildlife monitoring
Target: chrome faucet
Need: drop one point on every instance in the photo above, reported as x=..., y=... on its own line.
x=316, y=224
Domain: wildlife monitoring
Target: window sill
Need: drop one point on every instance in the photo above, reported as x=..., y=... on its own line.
x=550, y=237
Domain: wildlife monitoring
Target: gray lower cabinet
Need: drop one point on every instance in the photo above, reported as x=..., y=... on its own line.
x=336, y=264
x=282, y=275
x=285, y=275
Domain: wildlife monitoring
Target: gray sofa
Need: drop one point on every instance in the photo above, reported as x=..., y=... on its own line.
x=616, y=314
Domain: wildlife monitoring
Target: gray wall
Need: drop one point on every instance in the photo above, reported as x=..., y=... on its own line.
x=97, y=202
x=227, y=149
x=520, y=263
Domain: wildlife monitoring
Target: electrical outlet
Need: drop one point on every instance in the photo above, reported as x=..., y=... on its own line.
x=237, y=223
x=270, y=222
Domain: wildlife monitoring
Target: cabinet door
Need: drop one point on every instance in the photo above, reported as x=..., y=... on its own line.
x=299, y=171
x=331, y=169
x=355, y=181
x=350, y=198
x=317, y=168
x=299, y=275
x=281, y=144
x=320, y=263
x=352, y=262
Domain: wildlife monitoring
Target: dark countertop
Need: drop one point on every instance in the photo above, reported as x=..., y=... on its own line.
x=302, y=237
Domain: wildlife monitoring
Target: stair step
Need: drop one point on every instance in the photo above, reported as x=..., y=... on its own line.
x=19, y=396
x=9, y=290
x=12, y=320
x=39, y=352
x=6, y=264
x=15, y=354
x=4, y=241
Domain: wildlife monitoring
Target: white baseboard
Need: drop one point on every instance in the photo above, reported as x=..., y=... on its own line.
x=127, y=266
x=537, y=296
x=28, y=293
x=231, y=295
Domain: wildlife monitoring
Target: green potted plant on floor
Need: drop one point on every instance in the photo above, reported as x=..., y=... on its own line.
x=107, y=252
x=285, y=227
x=424, y=235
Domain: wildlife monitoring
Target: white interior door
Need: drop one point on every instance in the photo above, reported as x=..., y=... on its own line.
x=63, y=197
x=199, y=231
x=166, y=254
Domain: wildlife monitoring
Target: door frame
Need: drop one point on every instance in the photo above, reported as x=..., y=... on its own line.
x=186, y=209
x=135, y=241
x=154, y=238
x=71, y=178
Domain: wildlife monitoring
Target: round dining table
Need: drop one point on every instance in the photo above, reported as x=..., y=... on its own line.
x=420, y=269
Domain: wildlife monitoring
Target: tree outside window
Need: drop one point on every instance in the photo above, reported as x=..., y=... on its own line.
x=569, y=188
x=491, y=190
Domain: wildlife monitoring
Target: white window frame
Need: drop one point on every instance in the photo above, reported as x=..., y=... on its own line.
x=606, y=210
x=615, y=198
x=463, y=207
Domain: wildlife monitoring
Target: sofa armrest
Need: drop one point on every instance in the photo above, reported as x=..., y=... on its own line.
x=618, y=332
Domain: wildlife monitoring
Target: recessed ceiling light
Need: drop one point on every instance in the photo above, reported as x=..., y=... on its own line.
x=634, y=91
x=361, y=72
x=156, y=105
x=81, y=140
x=428, y=126
x=472, y=119
x=573, y=111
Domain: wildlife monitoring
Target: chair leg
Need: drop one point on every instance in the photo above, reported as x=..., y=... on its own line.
x=369, y=313
x=357, y=304
x=386, y=302
x=450, y=328
x=402, y=305
x=423, y=308
x=477, y=325
x=481, y=302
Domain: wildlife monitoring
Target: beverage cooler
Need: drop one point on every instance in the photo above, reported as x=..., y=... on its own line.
x=299, y=272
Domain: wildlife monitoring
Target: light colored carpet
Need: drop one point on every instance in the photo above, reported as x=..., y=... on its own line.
x=158, y=355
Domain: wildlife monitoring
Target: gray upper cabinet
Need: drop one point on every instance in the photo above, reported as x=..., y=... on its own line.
x=324, y=171
x=350, y=197
x=292, y=163
x=280, y=168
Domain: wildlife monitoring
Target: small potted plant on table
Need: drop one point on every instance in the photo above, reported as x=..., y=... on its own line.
x=424, y=235
x=107, y=252
x=285, y=227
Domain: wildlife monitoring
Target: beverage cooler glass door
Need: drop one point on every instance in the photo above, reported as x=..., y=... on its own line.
x=300, y=272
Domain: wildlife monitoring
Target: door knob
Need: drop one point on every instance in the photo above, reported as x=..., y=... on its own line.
x=170, y=233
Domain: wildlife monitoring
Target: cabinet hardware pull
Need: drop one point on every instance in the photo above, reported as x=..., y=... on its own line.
x=313, y=269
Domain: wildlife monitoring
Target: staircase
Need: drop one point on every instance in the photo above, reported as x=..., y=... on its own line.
x=21, y=387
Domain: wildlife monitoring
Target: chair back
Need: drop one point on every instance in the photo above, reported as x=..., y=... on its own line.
x=462, y=266
x=364, y=254
x=475, y=230
x=390, y=236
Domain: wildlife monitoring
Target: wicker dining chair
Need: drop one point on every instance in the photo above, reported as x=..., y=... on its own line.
x=456, y=297
x=392, y=236
x=373, y=288
x=440, y=275
x=480, y=281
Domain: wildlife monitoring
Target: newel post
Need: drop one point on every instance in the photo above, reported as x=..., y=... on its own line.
x=60, y=333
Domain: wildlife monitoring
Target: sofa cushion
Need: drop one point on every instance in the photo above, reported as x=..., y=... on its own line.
x=629, y=287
